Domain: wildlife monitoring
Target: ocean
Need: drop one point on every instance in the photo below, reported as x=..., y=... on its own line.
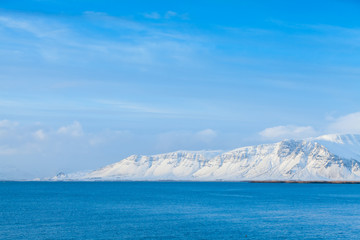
x=178, y=210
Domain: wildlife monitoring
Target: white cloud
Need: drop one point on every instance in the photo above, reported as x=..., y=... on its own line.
x=136, y=107
x=93, y=13
x=74, y=130
x=153, y=15
x=170, y=14
x=7, y=124
x=289, y=131
x=206, y=135
x=167, y=15
x=96, y=140
x=39, y=135
x=346, y=124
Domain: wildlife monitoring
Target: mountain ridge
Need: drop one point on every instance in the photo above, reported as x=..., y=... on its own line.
x=326, y=158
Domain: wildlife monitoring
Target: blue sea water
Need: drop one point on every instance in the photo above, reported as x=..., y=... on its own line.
x=178, y=210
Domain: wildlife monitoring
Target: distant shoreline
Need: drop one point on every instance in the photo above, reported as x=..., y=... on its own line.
x=179, y=181
x=307, y=182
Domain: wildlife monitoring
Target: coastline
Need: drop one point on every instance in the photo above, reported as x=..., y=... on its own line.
x=190, y=181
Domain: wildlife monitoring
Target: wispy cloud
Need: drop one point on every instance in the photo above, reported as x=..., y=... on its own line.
x=324, y=33
x=136, y=107
x=39, y=27
x=138, y=43
x=170, y=14
x=73, y=130
x=152, y=15
x=39, y=135
x=206, y=135
x=167, y=15
x=6, y=124
x=108, y=21
x=93, y=106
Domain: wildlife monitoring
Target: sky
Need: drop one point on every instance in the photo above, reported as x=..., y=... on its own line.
x=85, y=83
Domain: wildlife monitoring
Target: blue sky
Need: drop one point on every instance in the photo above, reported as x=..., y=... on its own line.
x=86, y=83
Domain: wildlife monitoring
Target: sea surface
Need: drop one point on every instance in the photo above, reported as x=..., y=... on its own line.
x=178, y=210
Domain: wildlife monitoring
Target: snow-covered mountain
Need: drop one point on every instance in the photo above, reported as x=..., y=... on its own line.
x=326, y=158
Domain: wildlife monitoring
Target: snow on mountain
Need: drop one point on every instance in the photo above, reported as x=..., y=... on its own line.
x=180, y=165
x=329, y=157
x=286, y=160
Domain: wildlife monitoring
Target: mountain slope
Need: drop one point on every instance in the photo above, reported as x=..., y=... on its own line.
x=180, y=165
x=286, y=160
x=329, y=157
